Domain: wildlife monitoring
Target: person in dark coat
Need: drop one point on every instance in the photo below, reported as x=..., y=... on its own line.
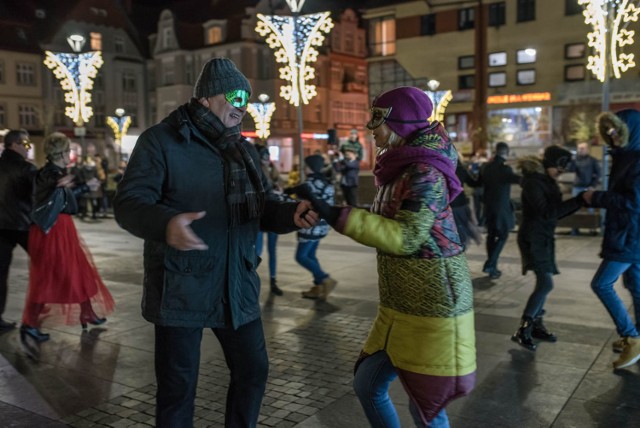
x=16, y=177
x=621, y=242
x=587, y=171
x=195, y=192
x=497, y=178
x=349, y=169
x=542, y=206
x=465, y=222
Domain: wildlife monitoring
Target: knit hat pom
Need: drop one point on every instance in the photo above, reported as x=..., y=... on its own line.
x=219, y=76
x=410, y=109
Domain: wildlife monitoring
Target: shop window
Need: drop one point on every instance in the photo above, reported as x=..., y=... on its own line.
x=497, y=80
x=382, y=39
x=526, y=56
x=526, y=10
x=466, y=18
x=497, y=59
x=467, y=81
x=497, y=14
x=574, y=50
x=571, y=7
x=466, y=62
x=526, y=77
x=428, y=24
x=573, y=73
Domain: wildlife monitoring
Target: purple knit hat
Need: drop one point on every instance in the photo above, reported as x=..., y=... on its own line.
x=409, y=109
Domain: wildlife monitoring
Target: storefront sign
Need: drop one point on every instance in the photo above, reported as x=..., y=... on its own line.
x=519, y=98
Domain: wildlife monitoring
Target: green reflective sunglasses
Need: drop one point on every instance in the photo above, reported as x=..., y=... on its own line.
x=237, y=98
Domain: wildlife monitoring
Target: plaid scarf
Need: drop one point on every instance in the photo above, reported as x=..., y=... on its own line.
x=242, y=181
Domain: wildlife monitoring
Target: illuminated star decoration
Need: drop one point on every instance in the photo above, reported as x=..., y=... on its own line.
x=261, y=114
x=294, y=40
x=440, y=100
x=596, y=14
x=119, y=125
x=75, y=73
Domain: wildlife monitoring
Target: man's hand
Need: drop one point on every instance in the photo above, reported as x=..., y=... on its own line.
x=66, y=181
x=305, y=216
x=587, y=196
x=180, y=235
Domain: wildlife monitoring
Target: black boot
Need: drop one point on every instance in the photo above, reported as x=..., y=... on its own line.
x=274, y=288
x=522, y=336
x=540, y=331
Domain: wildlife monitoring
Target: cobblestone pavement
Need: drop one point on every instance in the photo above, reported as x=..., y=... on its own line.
x=104, y=377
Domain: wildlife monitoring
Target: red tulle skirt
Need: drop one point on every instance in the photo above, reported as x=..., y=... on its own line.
x=63, y=279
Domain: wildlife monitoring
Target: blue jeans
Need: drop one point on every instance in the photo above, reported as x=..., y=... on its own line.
x=272, y=240
x=177, y=360
x=306, y=257
x=371, y=384
x=602, y=284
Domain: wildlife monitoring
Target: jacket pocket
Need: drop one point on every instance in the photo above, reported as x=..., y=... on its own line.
x=251, y=295
x=188, y=282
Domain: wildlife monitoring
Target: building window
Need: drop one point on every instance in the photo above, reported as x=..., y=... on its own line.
x=59, y=119
x=96, y=41
x=466, y=18
x=3, y=117
x=497, y=15
x=428, y=24
x=27, y=116
x=118, y=43
x=466, y=62
x=168, y=75
x=571, y=7
x=526, y=56
x=573, y=73
x=128, y=82
x=25, y=74
x=383, y=36
x=526, y=77
x=167, y=38
x=467, y=81
x=497, y=59
x=526, y=10
x=1, y=71
x=497, y=80
x=214, y=35
x=574, y=50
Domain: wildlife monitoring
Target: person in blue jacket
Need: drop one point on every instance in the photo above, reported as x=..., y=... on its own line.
x=194, y=191
x=621, y=243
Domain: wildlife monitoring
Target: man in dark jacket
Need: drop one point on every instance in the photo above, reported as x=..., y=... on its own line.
x=621, y=242
x=16, y=175
x=587, y=170
x=194, y=191
x=496, y=178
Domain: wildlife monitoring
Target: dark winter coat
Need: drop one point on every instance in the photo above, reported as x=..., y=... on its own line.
x=175, y=169
x=16, y=178
x=496, y=178
x=542, y=206
x=349, y=170
x=621, y=240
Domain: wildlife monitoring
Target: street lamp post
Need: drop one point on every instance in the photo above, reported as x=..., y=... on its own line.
x=261, y=113
x=119, y=124
x=76, y=72
x=294, y=40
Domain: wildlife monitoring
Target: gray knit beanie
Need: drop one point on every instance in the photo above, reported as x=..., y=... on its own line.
x=219, y=76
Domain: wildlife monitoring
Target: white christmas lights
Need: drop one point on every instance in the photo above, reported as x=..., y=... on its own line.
x=119, y=125
x=294, y=40
x=596, y=14
x=440, y=100
x=261, y=114
x=75, y=73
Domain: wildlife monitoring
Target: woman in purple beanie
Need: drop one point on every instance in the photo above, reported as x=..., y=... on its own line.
x=424, y=329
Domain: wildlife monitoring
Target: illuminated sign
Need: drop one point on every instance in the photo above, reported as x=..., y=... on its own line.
x=519, y=98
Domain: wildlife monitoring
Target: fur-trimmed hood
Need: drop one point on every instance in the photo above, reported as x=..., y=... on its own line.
x=530, y=164
x=624, y=126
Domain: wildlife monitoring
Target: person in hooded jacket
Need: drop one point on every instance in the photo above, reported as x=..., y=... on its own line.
x=424, y=329
x=621, y=242
x=542, y=207
x=194, y=191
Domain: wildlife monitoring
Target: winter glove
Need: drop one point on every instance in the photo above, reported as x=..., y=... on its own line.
x=328, y=212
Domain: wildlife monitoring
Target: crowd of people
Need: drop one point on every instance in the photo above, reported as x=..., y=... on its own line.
x=203, y=236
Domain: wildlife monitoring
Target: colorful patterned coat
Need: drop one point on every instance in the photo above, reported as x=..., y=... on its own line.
x=425, y=319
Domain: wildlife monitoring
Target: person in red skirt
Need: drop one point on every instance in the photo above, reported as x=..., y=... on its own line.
x=63, y=279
